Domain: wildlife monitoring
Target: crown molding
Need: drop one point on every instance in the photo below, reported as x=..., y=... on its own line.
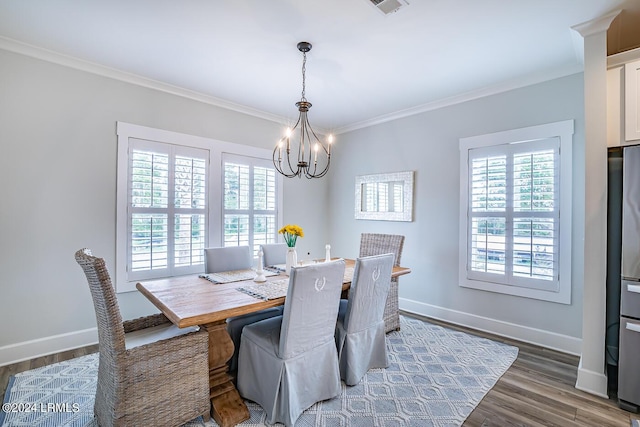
x=597, y=25
x=101, y=70
x=464, y=97
x=98, y=69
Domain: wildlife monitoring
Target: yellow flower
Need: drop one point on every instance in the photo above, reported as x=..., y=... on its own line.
x=291, y=232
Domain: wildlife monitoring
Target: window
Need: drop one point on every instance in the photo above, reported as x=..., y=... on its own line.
x=514, y=187
x=178, y=194
x=250, y=201
x=167, y=207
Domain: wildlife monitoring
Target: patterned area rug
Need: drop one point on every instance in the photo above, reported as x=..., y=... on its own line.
x=437, y=377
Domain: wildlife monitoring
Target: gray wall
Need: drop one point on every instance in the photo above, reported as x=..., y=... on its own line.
x=58, y=176
x=428, y=144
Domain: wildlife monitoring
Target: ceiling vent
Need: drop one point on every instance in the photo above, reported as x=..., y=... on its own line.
x=388, y=6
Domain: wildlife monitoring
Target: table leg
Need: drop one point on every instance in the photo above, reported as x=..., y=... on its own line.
x=227, y=407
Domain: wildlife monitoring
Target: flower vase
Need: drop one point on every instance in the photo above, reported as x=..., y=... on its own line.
x=292, y=259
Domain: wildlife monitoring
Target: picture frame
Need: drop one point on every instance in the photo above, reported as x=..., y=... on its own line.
x=385, y=196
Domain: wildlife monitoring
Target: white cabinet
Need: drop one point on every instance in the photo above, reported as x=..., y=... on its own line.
x=615, y=106
x=623, y=98
x=632, y=101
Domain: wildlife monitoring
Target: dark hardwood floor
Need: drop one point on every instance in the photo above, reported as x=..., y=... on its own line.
x=537, y=390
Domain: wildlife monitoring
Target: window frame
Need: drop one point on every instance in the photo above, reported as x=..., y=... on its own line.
x=126, y=132
x=562, y=131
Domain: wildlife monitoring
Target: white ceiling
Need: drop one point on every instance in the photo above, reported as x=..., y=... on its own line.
x=364, y=65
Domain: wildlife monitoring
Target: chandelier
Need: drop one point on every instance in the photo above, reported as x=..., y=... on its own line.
x=300, y=152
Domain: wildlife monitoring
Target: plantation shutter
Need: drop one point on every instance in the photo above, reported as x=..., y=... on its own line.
x=167, y=209
x=513, y=218
x=250, y=202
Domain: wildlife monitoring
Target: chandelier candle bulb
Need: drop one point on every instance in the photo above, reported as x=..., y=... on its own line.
x=288, y=140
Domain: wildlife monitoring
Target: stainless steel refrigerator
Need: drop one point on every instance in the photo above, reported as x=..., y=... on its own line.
x=629, y=344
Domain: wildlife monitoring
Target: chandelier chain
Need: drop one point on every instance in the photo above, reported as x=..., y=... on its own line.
x=304, y=69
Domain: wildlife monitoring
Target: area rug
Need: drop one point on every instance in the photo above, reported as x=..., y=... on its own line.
x=437, y=376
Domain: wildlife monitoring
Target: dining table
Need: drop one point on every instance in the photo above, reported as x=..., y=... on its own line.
x=197, y=300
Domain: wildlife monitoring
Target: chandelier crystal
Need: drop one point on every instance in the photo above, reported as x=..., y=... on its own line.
x=300, y=152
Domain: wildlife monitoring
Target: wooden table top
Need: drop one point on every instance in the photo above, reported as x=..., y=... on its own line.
x=191, y=300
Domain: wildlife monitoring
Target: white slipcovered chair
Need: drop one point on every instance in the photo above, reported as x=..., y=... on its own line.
x=360, y=331
x=232, y=258
x=274, y=254
x=227, y=258
x=288, y=363
x=377, y=244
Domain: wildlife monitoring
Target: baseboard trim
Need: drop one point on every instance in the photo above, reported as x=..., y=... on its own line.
x=27, y=350
x=591, y=381
x=551, y=340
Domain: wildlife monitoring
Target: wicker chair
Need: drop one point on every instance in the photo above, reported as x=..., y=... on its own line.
x=378, y=244
x=150, y=372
